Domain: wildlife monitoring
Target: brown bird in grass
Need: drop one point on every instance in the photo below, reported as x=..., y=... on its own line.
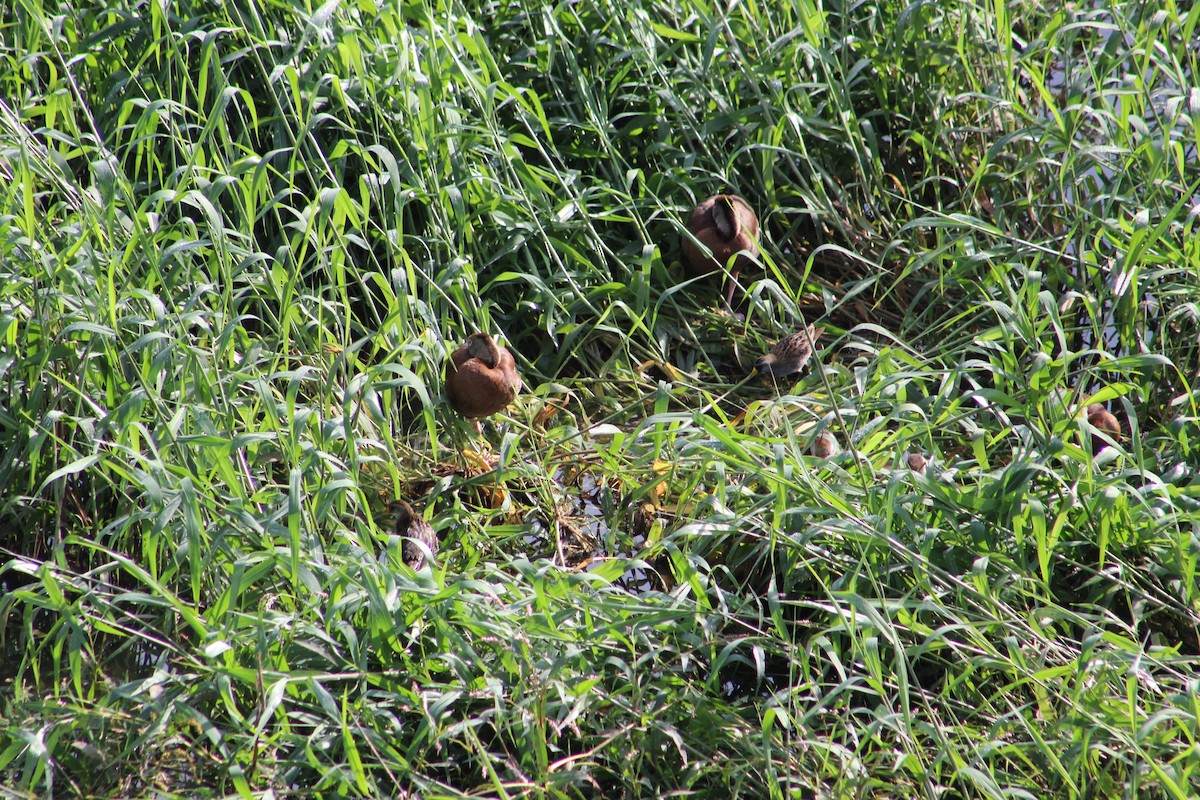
x=1102, y=419
x=413, y=528
x=791, y=353
x=825, y=445
x=481, y=378
x=917, y=462
x=726, y=225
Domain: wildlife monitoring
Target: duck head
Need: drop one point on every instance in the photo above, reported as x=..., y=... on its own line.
x=726, y=225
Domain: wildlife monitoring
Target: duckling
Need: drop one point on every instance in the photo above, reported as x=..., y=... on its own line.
x=725, y=224
x=481, y=378
x=825, y=445
x=413, y=528
x=791, y=353
x=1102, y=419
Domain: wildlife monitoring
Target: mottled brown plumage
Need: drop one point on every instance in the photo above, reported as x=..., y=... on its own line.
x=413, y=528
x=726, y=225
x=481, y=378
x=917, y=462
x=791, y=353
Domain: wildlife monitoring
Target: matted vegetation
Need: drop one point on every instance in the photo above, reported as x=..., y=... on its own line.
x=238, y=243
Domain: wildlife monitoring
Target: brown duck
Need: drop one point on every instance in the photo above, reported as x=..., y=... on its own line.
x=790, y=353
x=481, y=377
x=726, y=225
x=1103, y=420
x=413, y=528
x=825, y=445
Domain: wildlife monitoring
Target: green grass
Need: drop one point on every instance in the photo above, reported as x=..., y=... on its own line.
x=237, y=244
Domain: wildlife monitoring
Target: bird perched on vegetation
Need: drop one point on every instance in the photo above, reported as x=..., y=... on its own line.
x=825, y=445
x=481, y=377
x=1102, y=419
x=726, y=225
x=790, y=353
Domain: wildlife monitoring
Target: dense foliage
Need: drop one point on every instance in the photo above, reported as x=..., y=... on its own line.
x=239, y=240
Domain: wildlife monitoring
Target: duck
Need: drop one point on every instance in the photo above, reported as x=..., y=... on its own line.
x=825, y=445
x=481, y=378
x=726, y=225
x=1103, y=420
x=791, y=353
x=413, y=528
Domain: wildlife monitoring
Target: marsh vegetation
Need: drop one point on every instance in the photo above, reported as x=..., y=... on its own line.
x=240, y=242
